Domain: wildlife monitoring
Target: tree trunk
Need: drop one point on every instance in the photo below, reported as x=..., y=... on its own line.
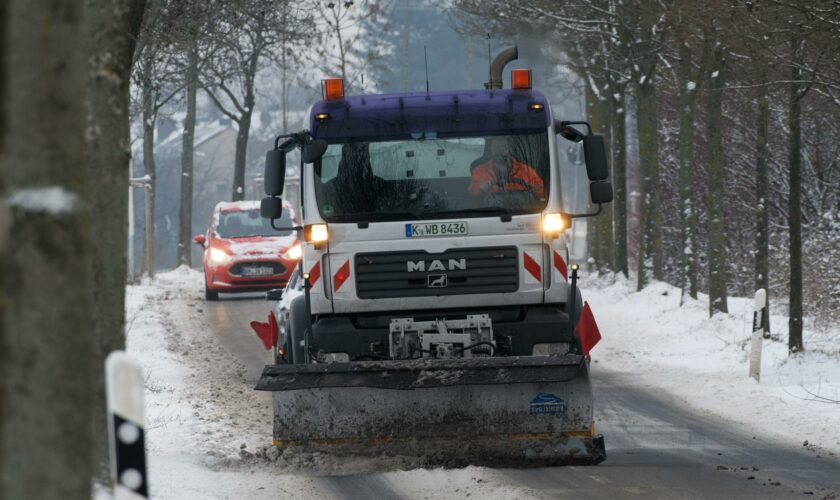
x=46, y=336
x=593, y=116
x=795, y=208
x=604, y=222
x=716, y=229
x=762, y=184
x=110, y=49
x=284, y=68
x=619, y=178
x=149, y=118
x=406, y=43
x=187, y=150
x=685, y=154
x=241, y=156
x=650, y=220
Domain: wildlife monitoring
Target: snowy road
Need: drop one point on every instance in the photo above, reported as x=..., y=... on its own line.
x=229, y=321
x=655, y=448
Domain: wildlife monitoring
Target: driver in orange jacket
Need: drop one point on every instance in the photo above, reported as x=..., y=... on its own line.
x=504, y=173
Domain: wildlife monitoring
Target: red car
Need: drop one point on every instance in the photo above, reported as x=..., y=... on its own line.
x=243, y=253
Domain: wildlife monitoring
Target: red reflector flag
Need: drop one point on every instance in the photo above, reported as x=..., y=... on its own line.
x=267, y=332
x=587, y=330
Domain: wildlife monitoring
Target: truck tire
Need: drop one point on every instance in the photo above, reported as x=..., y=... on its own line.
x=295, y=330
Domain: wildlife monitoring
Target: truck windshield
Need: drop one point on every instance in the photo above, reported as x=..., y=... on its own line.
x=430, y=178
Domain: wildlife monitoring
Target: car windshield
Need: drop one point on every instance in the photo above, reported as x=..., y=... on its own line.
x=245, y=223
x=428, y=178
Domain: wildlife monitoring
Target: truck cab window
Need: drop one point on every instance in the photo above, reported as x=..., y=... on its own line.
x=433, y=178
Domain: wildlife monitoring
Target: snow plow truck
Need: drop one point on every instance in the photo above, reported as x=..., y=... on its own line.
x=436, y=315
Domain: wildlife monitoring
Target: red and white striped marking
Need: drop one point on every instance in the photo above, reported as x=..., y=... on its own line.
x=561, y=273
x=341, y=275
x=533, y=270
x=315, y=274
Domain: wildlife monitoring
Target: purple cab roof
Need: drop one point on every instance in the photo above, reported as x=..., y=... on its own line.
x=415, y=114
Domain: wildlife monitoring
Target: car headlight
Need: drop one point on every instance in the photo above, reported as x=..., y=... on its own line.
x=218, y=256
x=294, y=252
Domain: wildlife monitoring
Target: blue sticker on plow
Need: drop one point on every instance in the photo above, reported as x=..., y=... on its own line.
x=546, y=403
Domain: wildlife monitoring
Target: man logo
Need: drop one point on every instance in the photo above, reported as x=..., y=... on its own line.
x=436, y=265
x=437, y=281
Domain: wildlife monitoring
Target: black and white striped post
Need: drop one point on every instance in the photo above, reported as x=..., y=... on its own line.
x=759, y=312
x=124, y=389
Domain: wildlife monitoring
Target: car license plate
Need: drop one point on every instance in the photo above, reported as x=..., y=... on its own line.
x=257, y=271
x=427, y=230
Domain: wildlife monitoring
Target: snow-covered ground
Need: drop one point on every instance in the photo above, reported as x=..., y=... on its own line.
x=703, y=361
x=208, y=431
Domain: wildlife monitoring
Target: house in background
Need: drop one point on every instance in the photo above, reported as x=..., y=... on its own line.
x=214, y=152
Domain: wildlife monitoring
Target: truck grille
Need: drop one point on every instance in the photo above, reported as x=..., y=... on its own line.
x=454, y=272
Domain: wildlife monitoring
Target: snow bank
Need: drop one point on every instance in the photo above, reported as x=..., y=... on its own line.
x=202, y=419
x=703, y=361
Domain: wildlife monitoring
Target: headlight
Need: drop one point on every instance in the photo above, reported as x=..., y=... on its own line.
x=293, y=253
x=218, y=256
x=555, y=223
x=316, y=233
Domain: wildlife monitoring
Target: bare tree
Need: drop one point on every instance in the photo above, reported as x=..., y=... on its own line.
x=46, y=336
x=715, y=174
x=158, y=75
x=111, y=31
x=342, y=46
x=246, y=33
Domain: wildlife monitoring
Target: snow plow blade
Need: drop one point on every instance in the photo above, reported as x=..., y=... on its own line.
x=500, y=411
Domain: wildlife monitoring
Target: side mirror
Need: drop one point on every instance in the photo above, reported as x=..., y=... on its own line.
x=274, y=294
x=271, y=207
x=314, y=150
x=600, y=192
x=275, y=172
x=596, y=157
x=199, y=239
x=567, y=131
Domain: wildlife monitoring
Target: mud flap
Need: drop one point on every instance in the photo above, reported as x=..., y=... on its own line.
x=502, y=411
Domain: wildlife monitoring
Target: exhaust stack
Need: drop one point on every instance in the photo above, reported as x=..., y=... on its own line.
x=498, y=64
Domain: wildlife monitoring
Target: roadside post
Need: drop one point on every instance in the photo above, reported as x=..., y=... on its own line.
x=144, y=182
x=759, y=312
x=572, y=301
x=124, y=390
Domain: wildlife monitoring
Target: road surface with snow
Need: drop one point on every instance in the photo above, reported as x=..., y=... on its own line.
x=209, y=431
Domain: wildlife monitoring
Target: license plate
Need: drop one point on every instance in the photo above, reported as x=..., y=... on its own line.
x=427, y=230
x=257, y=271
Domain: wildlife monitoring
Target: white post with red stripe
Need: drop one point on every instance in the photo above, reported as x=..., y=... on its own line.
x=759, y=310
x=124, y=391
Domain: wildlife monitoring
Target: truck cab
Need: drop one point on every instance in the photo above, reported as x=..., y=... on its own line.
x=431, y=209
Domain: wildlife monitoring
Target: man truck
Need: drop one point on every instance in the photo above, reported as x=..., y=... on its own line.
x=436, y=318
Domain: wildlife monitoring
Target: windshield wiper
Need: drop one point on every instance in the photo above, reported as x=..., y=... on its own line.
x=502, y=212
x=374, y=215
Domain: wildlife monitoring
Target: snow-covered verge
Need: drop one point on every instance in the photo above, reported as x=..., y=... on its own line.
x=703, y=361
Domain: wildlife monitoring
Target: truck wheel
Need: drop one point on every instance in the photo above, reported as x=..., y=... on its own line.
x=209, y=295
x=295, y=329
